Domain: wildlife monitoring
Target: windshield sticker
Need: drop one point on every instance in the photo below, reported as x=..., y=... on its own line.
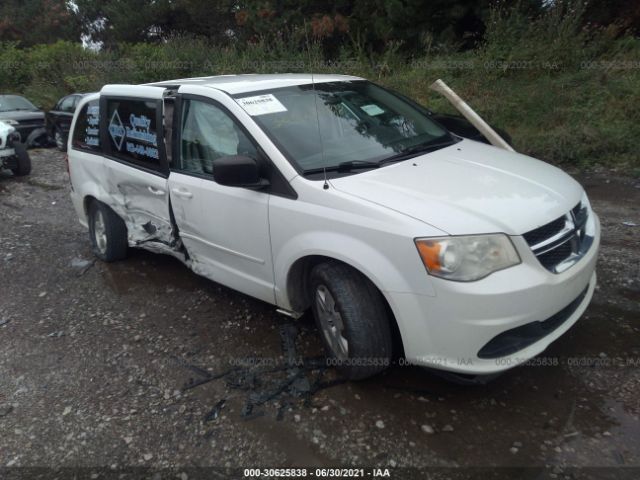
x=261, y=105
x=372, y=110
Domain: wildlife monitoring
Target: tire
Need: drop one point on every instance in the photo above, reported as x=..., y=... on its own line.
x=108, y=233
x=361, y=321
x=23, y=161
x=59, y=140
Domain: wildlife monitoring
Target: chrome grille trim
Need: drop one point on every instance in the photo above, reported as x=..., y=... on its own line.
x=574, y=233
x=562, y=236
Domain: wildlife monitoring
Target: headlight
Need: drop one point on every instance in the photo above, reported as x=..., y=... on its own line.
x=10, y=122
x=467, y=258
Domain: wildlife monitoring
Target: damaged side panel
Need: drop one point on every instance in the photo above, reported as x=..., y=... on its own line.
x=142, y=200
x=132, y=134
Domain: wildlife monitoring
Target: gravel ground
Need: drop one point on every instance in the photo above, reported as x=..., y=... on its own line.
x=136, y=364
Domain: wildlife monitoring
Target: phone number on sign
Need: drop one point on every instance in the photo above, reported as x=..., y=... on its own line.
x=316, y=473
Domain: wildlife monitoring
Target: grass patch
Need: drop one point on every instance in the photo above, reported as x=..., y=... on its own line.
x=566, y=94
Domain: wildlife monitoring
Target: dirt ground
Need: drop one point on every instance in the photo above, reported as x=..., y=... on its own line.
x=142, y=363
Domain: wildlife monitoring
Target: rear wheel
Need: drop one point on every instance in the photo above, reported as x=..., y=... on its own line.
x=23, y=161
x=108, y=233
x=352, y=318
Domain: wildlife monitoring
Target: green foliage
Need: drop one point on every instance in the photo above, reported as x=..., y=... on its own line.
x=14, y=72
x=31, y=22
x=111, y=22
x=567, y=94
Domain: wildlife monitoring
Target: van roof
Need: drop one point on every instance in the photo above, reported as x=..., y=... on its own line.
x=233, y=84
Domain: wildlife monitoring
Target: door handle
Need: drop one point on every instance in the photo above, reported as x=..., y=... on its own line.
x=182, y=193
x=155, y=191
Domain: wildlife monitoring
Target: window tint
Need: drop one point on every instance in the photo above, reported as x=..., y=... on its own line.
x=132, y=131
x=67, y=104
x=208, y=132
x=85, y=135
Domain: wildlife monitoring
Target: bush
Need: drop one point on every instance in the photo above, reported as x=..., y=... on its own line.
x=14, y=70
x=566, y=94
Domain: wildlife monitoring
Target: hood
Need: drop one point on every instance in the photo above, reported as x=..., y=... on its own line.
x=470, y=188
x=22, y=115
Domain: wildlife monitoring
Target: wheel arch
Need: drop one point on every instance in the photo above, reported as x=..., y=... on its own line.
x=89, y=198
x=299, y=296
x=86, y=201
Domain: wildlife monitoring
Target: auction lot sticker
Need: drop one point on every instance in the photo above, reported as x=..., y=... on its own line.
x=261, y=105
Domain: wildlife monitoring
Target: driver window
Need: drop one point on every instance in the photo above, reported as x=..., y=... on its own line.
x=208, y=132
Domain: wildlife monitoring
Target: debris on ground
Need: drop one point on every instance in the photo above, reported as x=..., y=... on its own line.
x=140, y=328
x=82, y=265
x=5, y=410
x=291, y=383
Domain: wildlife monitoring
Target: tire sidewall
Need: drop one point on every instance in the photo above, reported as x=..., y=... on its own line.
x=23, y=160
x=369, y=351
x=94, y=208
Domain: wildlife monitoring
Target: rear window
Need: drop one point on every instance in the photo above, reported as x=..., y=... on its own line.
x=132, y=131
x=86, y=133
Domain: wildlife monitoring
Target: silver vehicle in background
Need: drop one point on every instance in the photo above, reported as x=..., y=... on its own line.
x=13, y=154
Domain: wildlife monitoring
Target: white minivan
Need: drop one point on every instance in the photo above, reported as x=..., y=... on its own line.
x=331, y=193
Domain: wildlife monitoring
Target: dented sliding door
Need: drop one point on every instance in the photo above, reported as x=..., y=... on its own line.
x=135, y=165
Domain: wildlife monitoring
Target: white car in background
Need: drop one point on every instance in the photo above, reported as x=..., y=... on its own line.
x=13, y=154
x=336, y=195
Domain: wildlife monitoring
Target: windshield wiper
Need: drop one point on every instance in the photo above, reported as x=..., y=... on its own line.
x=353, y=164
x=345, y=166
x=419, y=148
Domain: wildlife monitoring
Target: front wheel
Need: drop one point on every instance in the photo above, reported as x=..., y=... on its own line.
x=23, y=161
x=108, y=233
x=352, y=318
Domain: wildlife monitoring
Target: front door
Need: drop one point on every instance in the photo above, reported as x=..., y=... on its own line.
x=225, y=229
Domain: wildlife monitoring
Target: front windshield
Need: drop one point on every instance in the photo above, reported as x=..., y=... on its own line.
x=359, y=122
x=15, y=102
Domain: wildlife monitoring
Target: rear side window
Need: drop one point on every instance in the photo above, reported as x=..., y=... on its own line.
x=132, y=131
x=86, y=133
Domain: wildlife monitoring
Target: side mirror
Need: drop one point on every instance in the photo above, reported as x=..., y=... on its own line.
x=238, y=171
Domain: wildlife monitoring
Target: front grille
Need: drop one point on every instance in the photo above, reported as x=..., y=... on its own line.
x=544, y=232
x=9, y=162
x=580, y=214
x=553, y=257
x=558, y=242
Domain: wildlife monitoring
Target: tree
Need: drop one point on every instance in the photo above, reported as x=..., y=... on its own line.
x=114, y=21
x=32, y=22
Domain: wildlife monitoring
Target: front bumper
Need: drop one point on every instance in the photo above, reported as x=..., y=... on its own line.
x=8, y=158
x=449, y=330
x=7, y=152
